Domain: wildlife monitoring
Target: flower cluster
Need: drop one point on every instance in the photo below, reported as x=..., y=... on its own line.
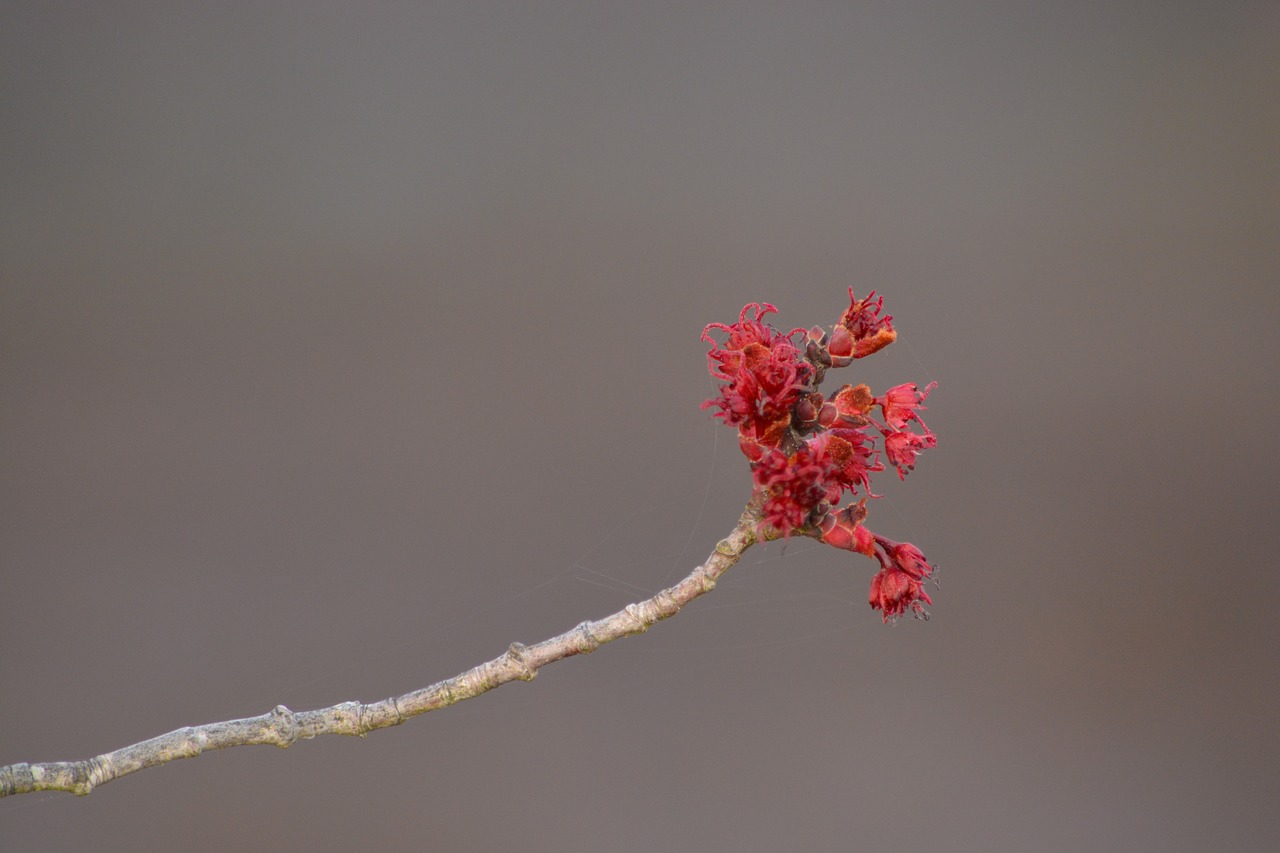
x=766, y=376
x=806, y=449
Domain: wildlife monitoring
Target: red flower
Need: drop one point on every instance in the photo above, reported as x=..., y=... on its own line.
x=723, y=362
x=861, y=330
x=899, y=585
x=851, y=458
x=806, y=450
x=794, y=486
x=906, y=557
x=903, y=447
x=767, y=376
x=901, y=402
x=894, y=592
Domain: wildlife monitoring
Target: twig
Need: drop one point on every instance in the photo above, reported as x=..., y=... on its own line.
x=282, y=727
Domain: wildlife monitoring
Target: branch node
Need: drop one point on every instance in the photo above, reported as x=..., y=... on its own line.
x=636, y=612
x=285, y=726
x=706, y=582
x=515, y=654
x=667, y=604
x=95, y=774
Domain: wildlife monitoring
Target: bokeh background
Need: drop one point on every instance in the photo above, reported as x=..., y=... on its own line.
x=343, y=344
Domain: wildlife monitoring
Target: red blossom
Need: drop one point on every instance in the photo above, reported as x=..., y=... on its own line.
x=861, y=330
x=765, y=392
x=793, y=486
x=766, y=373
x=894, y=592
x=902, y=448
x=901, y=403
x=899, y=585
x=723, y=362
x=850, y=451
x=806, y=451
x=906, y=557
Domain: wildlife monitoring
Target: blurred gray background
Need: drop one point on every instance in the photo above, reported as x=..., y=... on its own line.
x=343, y=344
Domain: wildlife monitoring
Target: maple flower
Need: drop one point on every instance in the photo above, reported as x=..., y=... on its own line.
x=906, y=557
x=894, y=592
x=850, y=451
x=902, y=448
x=901, y=403
x=861, y=330
x=766, y=374
x=794, y=486
x=723, y=362
x=807, y=450
x=899, y=585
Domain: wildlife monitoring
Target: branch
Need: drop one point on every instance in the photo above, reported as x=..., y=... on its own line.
x=282, y=727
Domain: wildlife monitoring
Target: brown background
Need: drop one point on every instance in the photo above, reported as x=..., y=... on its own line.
x=343, y=345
